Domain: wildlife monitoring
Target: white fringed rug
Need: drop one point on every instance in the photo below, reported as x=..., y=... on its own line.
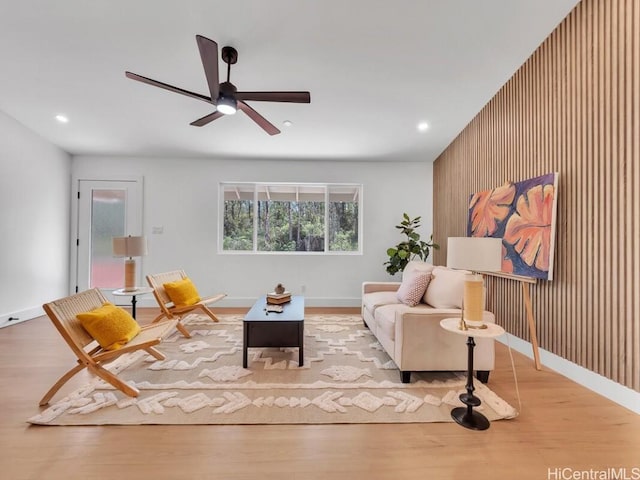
x=346, y=378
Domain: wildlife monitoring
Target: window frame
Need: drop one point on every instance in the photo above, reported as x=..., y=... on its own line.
x=257, y=186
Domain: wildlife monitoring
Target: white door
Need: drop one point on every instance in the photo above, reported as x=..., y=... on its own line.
x=105, y=209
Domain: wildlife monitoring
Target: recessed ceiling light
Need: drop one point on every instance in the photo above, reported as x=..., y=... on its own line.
x=287, y=123
x=423, y=126
x=62, y=119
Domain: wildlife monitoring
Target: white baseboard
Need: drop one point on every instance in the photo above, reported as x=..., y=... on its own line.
x=13, y=318
x=615, y=392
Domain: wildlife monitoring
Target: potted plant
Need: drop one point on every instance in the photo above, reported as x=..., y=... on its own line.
x=410, y=248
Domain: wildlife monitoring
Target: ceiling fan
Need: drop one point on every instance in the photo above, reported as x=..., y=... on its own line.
x=225, y=96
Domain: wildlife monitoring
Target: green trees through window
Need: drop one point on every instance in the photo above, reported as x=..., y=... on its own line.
x=291, y=217
x=238, y=225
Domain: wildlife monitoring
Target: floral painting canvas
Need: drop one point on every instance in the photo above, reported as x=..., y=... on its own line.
x=523, y=215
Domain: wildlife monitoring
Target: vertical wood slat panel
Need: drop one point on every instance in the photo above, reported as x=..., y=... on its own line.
x=632, y=95
x=573, y=107
x=599, y=200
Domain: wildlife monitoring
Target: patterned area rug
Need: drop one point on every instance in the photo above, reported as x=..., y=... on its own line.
x=346, y=378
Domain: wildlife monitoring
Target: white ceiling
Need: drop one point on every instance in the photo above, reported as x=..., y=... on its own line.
x=375, y=68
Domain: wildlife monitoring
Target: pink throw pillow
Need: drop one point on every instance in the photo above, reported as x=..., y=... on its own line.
x=413, y=287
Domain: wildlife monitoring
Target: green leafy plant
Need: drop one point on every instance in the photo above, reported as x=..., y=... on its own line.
x=410, y=248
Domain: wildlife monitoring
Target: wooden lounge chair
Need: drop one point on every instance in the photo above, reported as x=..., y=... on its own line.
x=90, y=355
x=168, y=309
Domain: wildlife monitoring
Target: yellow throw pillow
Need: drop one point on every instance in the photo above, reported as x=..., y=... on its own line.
x=182, y=292
x=112, y=327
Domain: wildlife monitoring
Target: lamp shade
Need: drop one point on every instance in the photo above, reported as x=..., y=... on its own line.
x=129, y=246
x=477, y=254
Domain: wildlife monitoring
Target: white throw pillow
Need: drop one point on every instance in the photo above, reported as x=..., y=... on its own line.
x=413, y=287
x=416, y=266
x=446, y=288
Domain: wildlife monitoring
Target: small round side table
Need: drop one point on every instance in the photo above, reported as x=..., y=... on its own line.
x=121, y=292
x=467, y=417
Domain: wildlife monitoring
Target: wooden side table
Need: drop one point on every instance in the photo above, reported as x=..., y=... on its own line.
x=121, y=292
x=466, y=416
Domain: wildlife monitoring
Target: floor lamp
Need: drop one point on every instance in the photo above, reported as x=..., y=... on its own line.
x=129, y=247
x=476, y=254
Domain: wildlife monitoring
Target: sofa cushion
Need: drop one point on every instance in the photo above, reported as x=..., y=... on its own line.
x=386, y=322
x=387, y=316
x=374, y=300
x=446, y=288
x=413, y=287
x=416, y=266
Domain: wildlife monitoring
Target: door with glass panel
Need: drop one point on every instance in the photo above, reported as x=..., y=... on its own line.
x=106, y=209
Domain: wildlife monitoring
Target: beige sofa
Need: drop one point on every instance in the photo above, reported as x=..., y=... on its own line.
x=412, y=335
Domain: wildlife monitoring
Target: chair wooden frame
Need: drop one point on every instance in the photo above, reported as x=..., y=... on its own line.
x=168, y=309
x=90, y=355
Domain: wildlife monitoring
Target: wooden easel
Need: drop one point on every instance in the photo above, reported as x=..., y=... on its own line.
x=532, y=324
x=524, y=282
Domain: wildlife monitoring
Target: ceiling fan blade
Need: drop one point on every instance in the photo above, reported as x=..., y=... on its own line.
x=259, y=119
x=293, y=97
x=171, y=88
x=209, y=56
x=201, y=122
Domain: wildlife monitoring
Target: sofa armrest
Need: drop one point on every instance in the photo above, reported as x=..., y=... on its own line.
x=370, y=287
x=420, y=341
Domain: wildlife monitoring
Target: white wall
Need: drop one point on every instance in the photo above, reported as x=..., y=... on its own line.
x=181, y=195
x=34, y=221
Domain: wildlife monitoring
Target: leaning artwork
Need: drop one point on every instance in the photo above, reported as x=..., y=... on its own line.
x=523, y=215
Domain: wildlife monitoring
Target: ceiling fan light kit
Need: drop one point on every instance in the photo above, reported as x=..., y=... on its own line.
x=227, y=105
x=225, y=96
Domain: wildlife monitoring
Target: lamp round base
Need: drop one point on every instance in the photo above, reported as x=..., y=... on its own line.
x=470, y=419
x=474, y=323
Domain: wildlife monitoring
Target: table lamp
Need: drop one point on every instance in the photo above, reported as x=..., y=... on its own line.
x=129, y=247
x=476, y=254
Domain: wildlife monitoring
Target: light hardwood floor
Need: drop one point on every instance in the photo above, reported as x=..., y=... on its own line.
x=561, y=426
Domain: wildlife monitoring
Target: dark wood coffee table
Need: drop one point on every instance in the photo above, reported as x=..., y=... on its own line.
x=270, y=329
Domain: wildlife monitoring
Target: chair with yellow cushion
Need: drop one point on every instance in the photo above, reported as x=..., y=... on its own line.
x=177, y=295
x=97, y=332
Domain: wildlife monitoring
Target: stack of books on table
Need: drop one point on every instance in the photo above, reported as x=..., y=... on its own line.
x=274, y=298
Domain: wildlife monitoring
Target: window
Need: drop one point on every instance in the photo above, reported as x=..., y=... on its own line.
x=286, y=217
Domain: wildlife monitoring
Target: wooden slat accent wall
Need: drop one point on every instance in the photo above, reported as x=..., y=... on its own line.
x=573, y=107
